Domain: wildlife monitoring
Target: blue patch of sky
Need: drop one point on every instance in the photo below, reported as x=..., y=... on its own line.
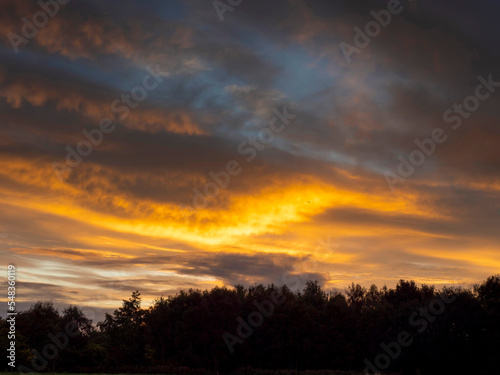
x=301, y=75
x=112, y=72
x=203, y=90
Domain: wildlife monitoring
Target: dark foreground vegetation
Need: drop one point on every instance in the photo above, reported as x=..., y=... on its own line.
x=410, y=329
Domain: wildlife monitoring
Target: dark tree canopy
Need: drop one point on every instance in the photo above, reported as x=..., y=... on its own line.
x=224, y=330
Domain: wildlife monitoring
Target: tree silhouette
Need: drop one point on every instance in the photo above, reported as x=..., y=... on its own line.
x=307, y=329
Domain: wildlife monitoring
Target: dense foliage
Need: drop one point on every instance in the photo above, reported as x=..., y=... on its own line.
x=453, y=330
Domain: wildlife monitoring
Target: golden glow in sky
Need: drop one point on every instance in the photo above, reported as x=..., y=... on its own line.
x=314, y=201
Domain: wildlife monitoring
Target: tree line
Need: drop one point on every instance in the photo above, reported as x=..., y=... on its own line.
x=408, y=329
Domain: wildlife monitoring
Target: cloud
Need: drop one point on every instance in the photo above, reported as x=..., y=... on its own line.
x=121, y=220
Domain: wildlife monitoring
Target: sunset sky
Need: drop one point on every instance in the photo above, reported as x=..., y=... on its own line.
x=314, y=201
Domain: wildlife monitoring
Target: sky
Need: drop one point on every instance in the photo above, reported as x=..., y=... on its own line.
x=344, y=151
